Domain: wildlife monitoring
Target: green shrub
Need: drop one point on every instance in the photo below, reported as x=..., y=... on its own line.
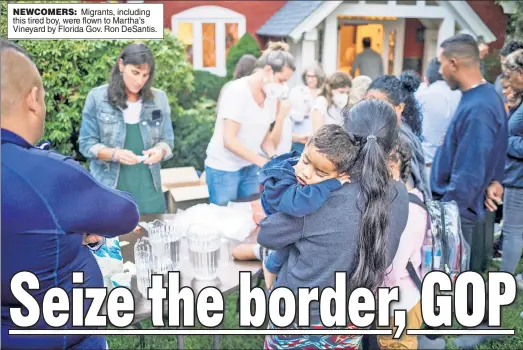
x=246, y=45
x=492, y=66
x=193, y=129
x=206, y=85
x=71, y=68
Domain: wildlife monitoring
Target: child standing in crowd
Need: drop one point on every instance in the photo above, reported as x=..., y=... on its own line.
x=400, y=93
x=409, y=250
x=293, y=186
x=333, y=97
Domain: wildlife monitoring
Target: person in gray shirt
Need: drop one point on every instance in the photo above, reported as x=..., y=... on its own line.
x=438, y=104
x=356, y=231
x=369, y=62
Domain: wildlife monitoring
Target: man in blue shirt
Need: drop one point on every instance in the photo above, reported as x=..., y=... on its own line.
x=470, y=162
x=49, y=204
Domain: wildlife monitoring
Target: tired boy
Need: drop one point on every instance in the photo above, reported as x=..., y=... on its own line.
x=299, y=186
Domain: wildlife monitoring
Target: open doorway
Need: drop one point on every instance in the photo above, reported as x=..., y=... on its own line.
x=350, y=43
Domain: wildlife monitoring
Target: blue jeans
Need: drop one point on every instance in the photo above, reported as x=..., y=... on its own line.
x=512, y=229
x=226, y=186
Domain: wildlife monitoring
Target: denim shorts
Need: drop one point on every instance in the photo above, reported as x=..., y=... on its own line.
x=226, y=186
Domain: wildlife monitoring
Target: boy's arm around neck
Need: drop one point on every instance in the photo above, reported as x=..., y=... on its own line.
x=300, y=201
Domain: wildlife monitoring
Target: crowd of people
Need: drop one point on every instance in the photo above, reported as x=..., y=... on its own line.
x=336, y=203
x=336, y=162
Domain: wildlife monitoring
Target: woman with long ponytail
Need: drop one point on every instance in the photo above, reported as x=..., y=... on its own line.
x=356, y=231
x=377, y=137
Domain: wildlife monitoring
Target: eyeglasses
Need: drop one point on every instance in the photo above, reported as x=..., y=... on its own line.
x=311, y=76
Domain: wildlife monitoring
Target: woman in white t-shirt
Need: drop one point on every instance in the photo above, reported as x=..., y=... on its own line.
x=333, y=97
x=245, y=113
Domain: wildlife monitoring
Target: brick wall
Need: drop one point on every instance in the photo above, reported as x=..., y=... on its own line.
x=413, y=49
x=492, y=15
x=256, y=12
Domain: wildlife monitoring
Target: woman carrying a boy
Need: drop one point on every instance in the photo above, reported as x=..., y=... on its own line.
x=357, y=229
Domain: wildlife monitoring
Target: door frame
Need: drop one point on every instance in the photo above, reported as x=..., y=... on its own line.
x=388, y=25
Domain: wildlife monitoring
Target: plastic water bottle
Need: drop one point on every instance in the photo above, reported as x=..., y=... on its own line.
x=437, y=255
x=427, y=259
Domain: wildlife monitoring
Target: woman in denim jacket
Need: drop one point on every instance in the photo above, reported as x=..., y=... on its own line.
x=126, y=130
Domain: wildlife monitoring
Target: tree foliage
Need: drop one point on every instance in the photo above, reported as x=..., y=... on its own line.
x=246, y=45
x=515, y=23
x=192, y=132
x=206, y=86
x=71, y=68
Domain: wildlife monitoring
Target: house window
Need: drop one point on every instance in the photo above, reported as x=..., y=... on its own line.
x=209, y=45
x=185, y=35
x=208, y=33
x=231, y=36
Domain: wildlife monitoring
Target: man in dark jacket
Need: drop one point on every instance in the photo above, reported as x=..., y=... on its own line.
x=49, y=203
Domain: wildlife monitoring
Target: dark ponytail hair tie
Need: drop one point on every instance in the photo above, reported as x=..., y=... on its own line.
x=371, y=137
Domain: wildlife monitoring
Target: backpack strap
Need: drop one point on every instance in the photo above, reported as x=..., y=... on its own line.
x=413, y=275
x=410, y=268
x=415, y=199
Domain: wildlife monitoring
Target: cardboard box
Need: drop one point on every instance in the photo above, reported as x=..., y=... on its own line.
x=202, y=179
x=179, y=177
x=186, y=197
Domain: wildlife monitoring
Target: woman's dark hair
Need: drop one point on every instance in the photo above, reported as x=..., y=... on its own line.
x=510, y=47
x=245, y=66
x=135, y=54
x=402, y=91
x=402, y=155
x=373, y=127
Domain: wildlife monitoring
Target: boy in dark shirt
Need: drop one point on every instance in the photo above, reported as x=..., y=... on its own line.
x=298, y=186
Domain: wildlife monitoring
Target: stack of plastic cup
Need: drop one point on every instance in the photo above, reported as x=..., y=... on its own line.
x=145, y=263
x=165, y=243
x=204, y=251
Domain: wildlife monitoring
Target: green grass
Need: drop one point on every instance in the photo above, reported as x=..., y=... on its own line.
x=510, y=319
